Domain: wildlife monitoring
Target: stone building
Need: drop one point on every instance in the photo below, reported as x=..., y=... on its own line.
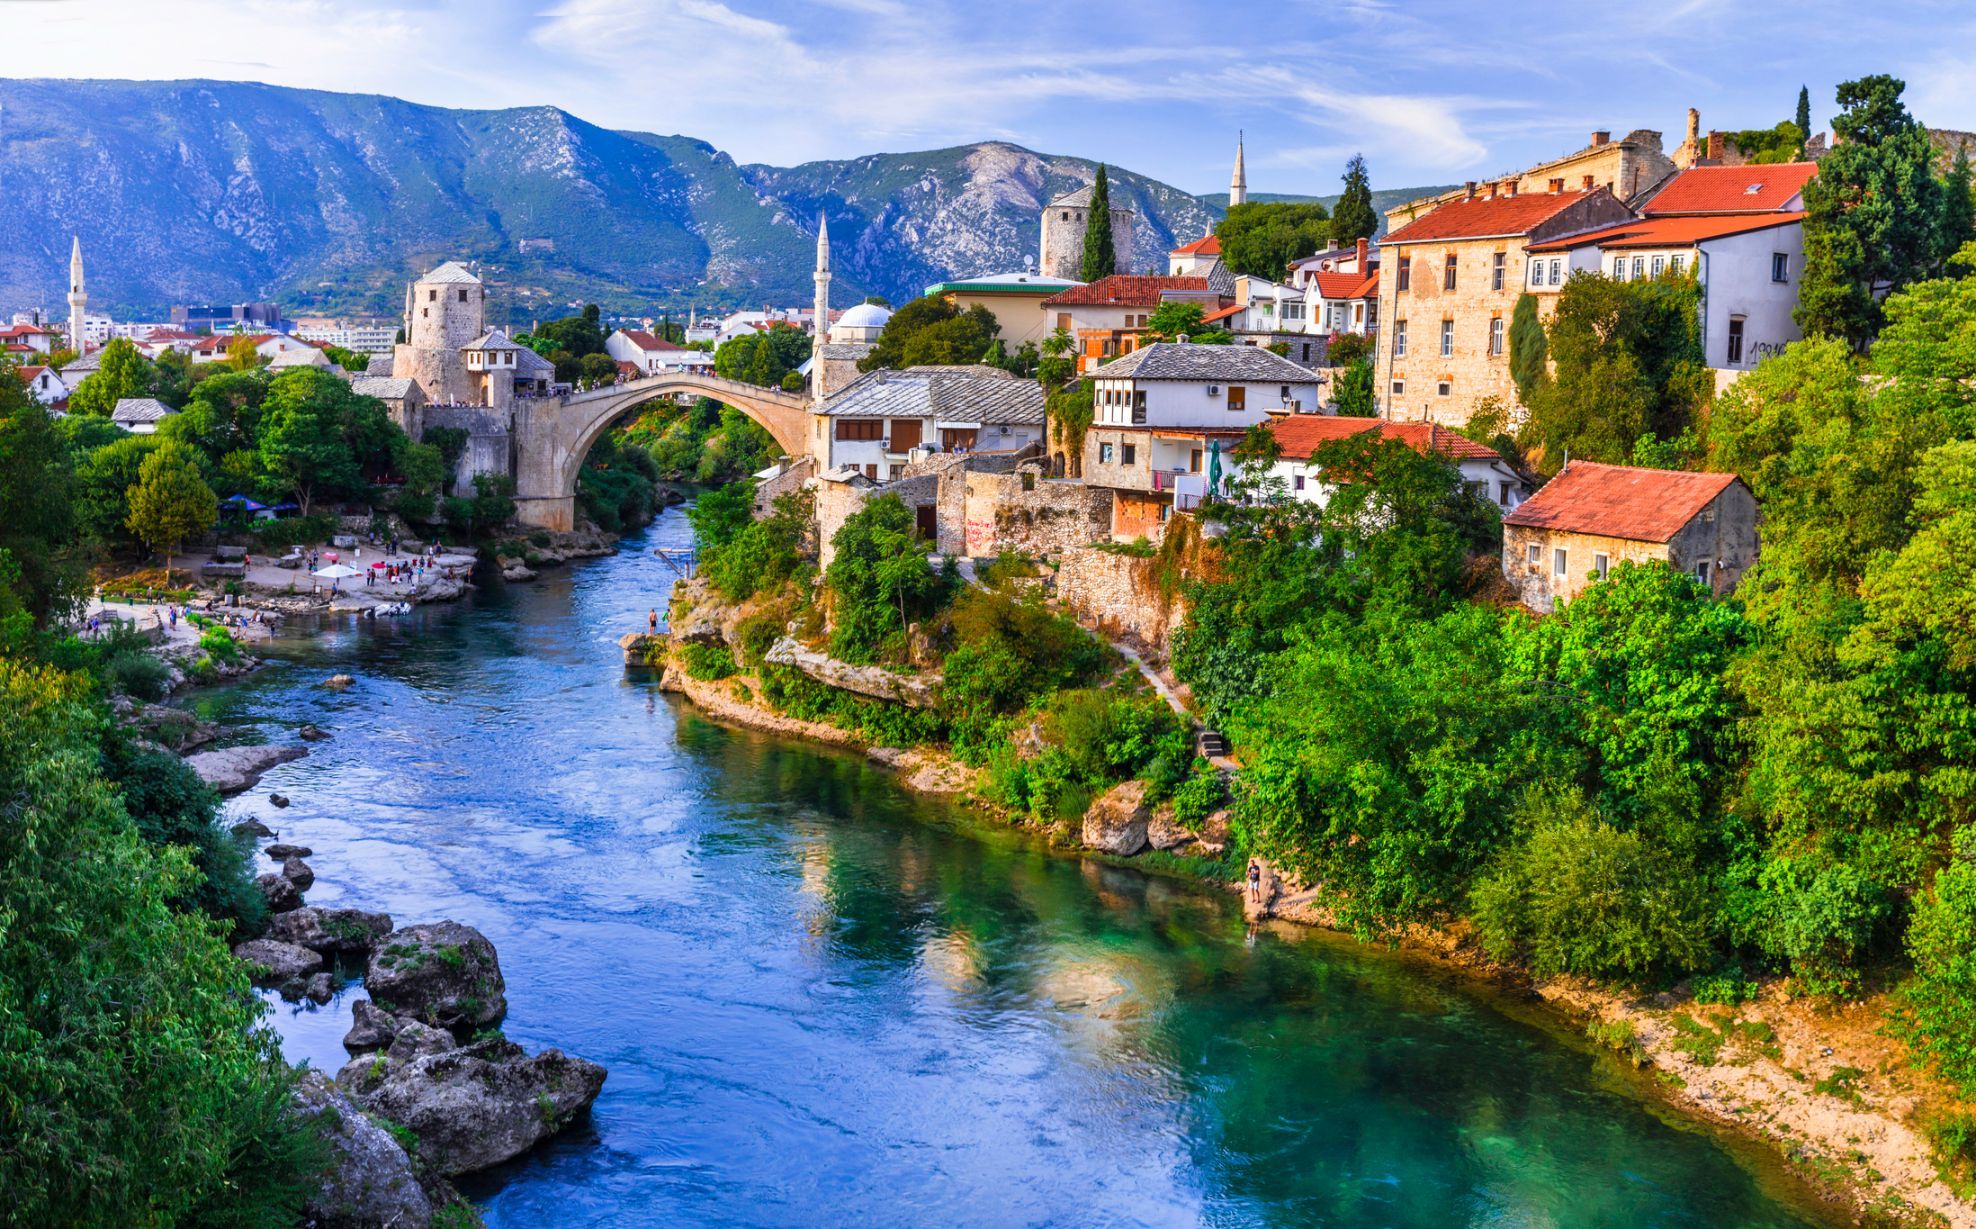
x=1626, y=168
x=1109, y=316
x=885, y=420
x=1065, y=219
x=1014, y=299
x=445, y=310
x=1448, y=285
x=1592, y=517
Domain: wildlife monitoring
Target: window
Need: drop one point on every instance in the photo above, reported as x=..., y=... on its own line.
x=1639, y=268
x=1536, y=273
x=1448, y=273
x=1619, y=268
x=1780, y=267
x=1406, y=271
x=1497, y=269
x=1496, y=336
x=1105, y=454
x=1675, y=264
x=871, y=470
x=1138, y=407
x=1399, y=388
x=1296, y=482
x=1659, y=265
x=463, y=296
x=1701, y=571
x=1194, y=461
x=1560, y=559
x=1536, y=554
x=1063, y=321
x=1447, y=339
x=1735, y=340
x=432, y=296
x=1128, y=454
x=1399, y=339
x=893, y=471
x=1238, y=398
x=1557, y=270
x=1600, y=566
x=860, y=428
x=1502, y=493
x=1444, y=388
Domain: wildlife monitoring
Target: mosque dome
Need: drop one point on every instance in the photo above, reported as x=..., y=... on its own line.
x=863, y=316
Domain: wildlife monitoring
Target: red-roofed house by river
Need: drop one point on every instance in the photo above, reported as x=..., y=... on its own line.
x=1592, y=517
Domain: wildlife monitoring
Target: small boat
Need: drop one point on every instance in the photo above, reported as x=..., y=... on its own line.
x=393, y=609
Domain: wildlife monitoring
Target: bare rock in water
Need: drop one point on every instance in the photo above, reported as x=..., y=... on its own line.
x=280, y=892
x=271, y=962
x=339, y=681
x=297, y=872
x=1116, y=822
x=370, y=1181
x=311, y=733
x=443, y=973
x=320, y=988
x=330, y=930
x=281, y=851
x=278, y=800
x=371, y=1028
x=231, y=770
x=252, y=827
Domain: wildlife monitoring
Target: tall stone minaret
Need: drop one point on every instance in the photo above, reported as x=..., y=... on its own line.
x=817, y=387
x=78, y=299
x=1238, y=183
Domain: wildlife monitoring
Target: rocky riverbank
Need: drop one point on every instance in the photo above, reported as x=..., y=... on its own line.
x=432, y=1090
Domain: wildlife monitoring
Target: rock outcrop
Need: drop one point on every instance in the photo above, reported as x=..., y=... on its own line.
x=644, y=650
x=479, y=1105
x=1116, y=822
x=1163, y=831
x=370, y=1182
x=371, y=1028
x=330, y=930
x=231, y=770
x=281, y=851
x=297, y=872
x=271, y=962
x=443, y=973
x=279, y=891
x=911, y=690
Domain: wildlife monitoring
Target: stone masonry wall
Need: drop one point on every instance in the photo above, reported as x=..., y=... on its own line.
x=1120, y=596
x=1025, y=511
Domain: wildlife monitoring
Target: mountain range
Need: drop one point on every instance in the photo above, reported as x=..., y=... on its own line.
x=222, y=192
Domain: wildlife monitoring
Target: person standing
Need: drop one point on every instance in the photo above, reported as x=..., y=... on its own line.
x=652, y=621
x=1255, y=881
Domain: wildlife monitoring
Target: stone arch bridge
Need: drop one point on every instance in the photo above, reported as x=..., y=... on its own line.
x=554, y=434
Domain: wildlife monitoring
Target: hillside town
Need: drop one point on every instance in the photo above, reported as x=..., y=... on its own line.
x=1558, y=582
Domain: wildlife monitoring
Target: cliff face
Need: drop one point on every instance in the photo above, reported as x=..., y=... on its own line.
x=205, y=191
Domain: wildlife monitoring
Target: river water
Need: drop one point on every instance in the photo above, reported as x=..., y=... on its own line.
x=826, y=1001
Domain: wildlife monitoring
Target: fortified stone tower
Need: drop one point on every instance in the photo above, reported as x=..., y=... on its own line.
x=78, y=298
x=1065, y=220
x=445, y=310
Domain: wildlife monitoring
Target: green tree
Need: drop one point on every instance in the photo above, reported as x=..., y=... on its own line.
x=1872, y=213
x=1958, y=208
x=103, y=479
x=1100, y=252
x=122, y=371
x=1529, y=350
x=579, y=335
x=1768, y=146
x=763, y=357
x=1802, y=117
x=879, y=580
x=1353, y=218
x=170, y=501
x=1173, y=320
x=318, y=438
x=1261, y=238
x=38, y=576
x=931, y=330
x=1352, y=393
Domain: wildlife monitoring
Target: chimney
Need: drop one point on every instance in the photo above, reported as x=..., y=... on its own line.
x=1494, y=187
x=1694, y=128
x=1468, y=190
x=1359, y=254
x=1600, y=137
x=1509, y=187
x=1715, y=147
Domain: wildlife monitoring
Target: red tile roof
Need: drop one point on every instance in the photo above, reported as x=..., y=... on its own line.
x=1620, y=501
x=1347, y=285
x=24, y=330
x=1732, y=189
x=28, y=373
x=645, y=341
x=1125, y=290
x=1481, y=217
x=1302, y=434
x=1223, y=314
x=1206, y=245
x=1682, y=231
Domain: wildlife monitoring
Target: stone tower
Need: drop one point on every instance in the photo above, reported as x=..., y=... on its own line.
x=1065, y=220
x=818, y=388
x=78, y=298
x=1238, y=183
x=445, y=310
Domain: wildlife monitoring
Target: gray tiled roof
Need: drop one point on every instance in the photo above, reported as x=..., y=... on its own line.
x=387, y=387
x=85, y=365
x=451, y=273
x=1081, y=197
x=493, y=339
x=852, y=350
x=1168, y=360
x=1221, y=279
x=381, y=364
x=534, y=366
x=972, y=394
x=141, y=409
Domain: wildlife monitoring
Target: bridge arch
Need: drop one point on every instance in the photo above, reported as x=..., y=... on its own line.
x=554, y=434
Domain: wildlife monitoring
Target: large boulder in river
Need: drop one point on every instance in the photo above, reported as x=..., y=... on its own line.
x=443, y=973
x=1163, y=831
x=297, y=872
x=483, y=1104
x=233, y=769
x=370, y=1182
x=271, y=962
x=371, y=1027
x=330, y=930
x=1116, y=822
x=280, y=892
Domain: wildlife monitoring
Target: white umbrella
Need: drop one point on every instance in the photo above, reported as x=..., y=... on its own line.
x=337, y=571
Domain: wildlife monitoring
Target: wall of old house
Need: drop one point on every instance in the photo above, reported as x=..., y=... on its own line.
x=1537, y=584
x=1026, y=511
x=1724, y=535
x=835, y=502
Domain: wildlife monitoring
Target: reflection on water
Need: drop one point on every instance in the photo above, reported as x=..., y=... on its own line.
x=824, y=1001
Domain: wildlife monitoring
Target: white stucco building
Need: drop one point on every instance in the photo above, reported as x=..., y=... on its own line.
x=886, y=419
x=1301, y=436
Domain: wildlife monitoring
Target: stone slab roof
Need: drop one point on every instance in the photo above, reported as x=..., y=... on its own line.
x=388, y=388
x=140, y=409
x=381, y=364
x=985, y=395
x=1620, y=501
x=847, y=350
x=450, y=274
x=493, y=339
x=1172, y=360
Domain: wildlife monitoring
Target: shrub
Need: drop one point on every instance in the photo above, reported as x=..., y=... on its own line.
x=1200, y=795
x=756, y=635
x=283, y=533
x=1580, y=896
x=707, y=662
x=137, y=674
x=1937, y=1014
x=220, y=644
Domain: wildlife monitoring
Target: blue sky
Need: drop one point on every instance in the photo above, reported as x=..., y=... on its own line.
x=1430, y=90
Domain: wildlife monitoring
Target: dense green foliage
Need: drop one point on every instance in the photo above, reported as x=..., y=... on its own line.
x=617, y=487
x=743, y=556
x=706, y=443
x=879, y=581
x=932, y=330
x=1175, y=319
x=1352, y=393
x=764, y=357
x=38, y=577
x=1100, y=245
x=170, y=502
x=1261, y=238
x=1529, y=351
x=1353, y=217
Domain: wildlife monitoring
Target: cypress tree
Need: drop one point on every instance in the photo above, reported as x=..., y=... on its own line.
x=1100, y=257
x=1354, y=218
x=1529, y=349
x=1958, y=207
x=1803, y=118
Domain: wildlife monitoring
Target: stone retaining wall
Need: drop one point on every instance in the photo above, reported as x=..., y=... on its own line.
x=1120, y=596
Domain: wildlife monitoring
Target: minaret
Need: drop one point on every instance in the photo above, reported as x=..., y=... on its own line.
x=817, y=389
x=78, y=299
x=1238, y=183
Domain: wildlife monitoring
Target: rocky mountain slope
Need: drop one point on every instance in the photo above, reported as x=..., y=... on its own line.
x=205, y=191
